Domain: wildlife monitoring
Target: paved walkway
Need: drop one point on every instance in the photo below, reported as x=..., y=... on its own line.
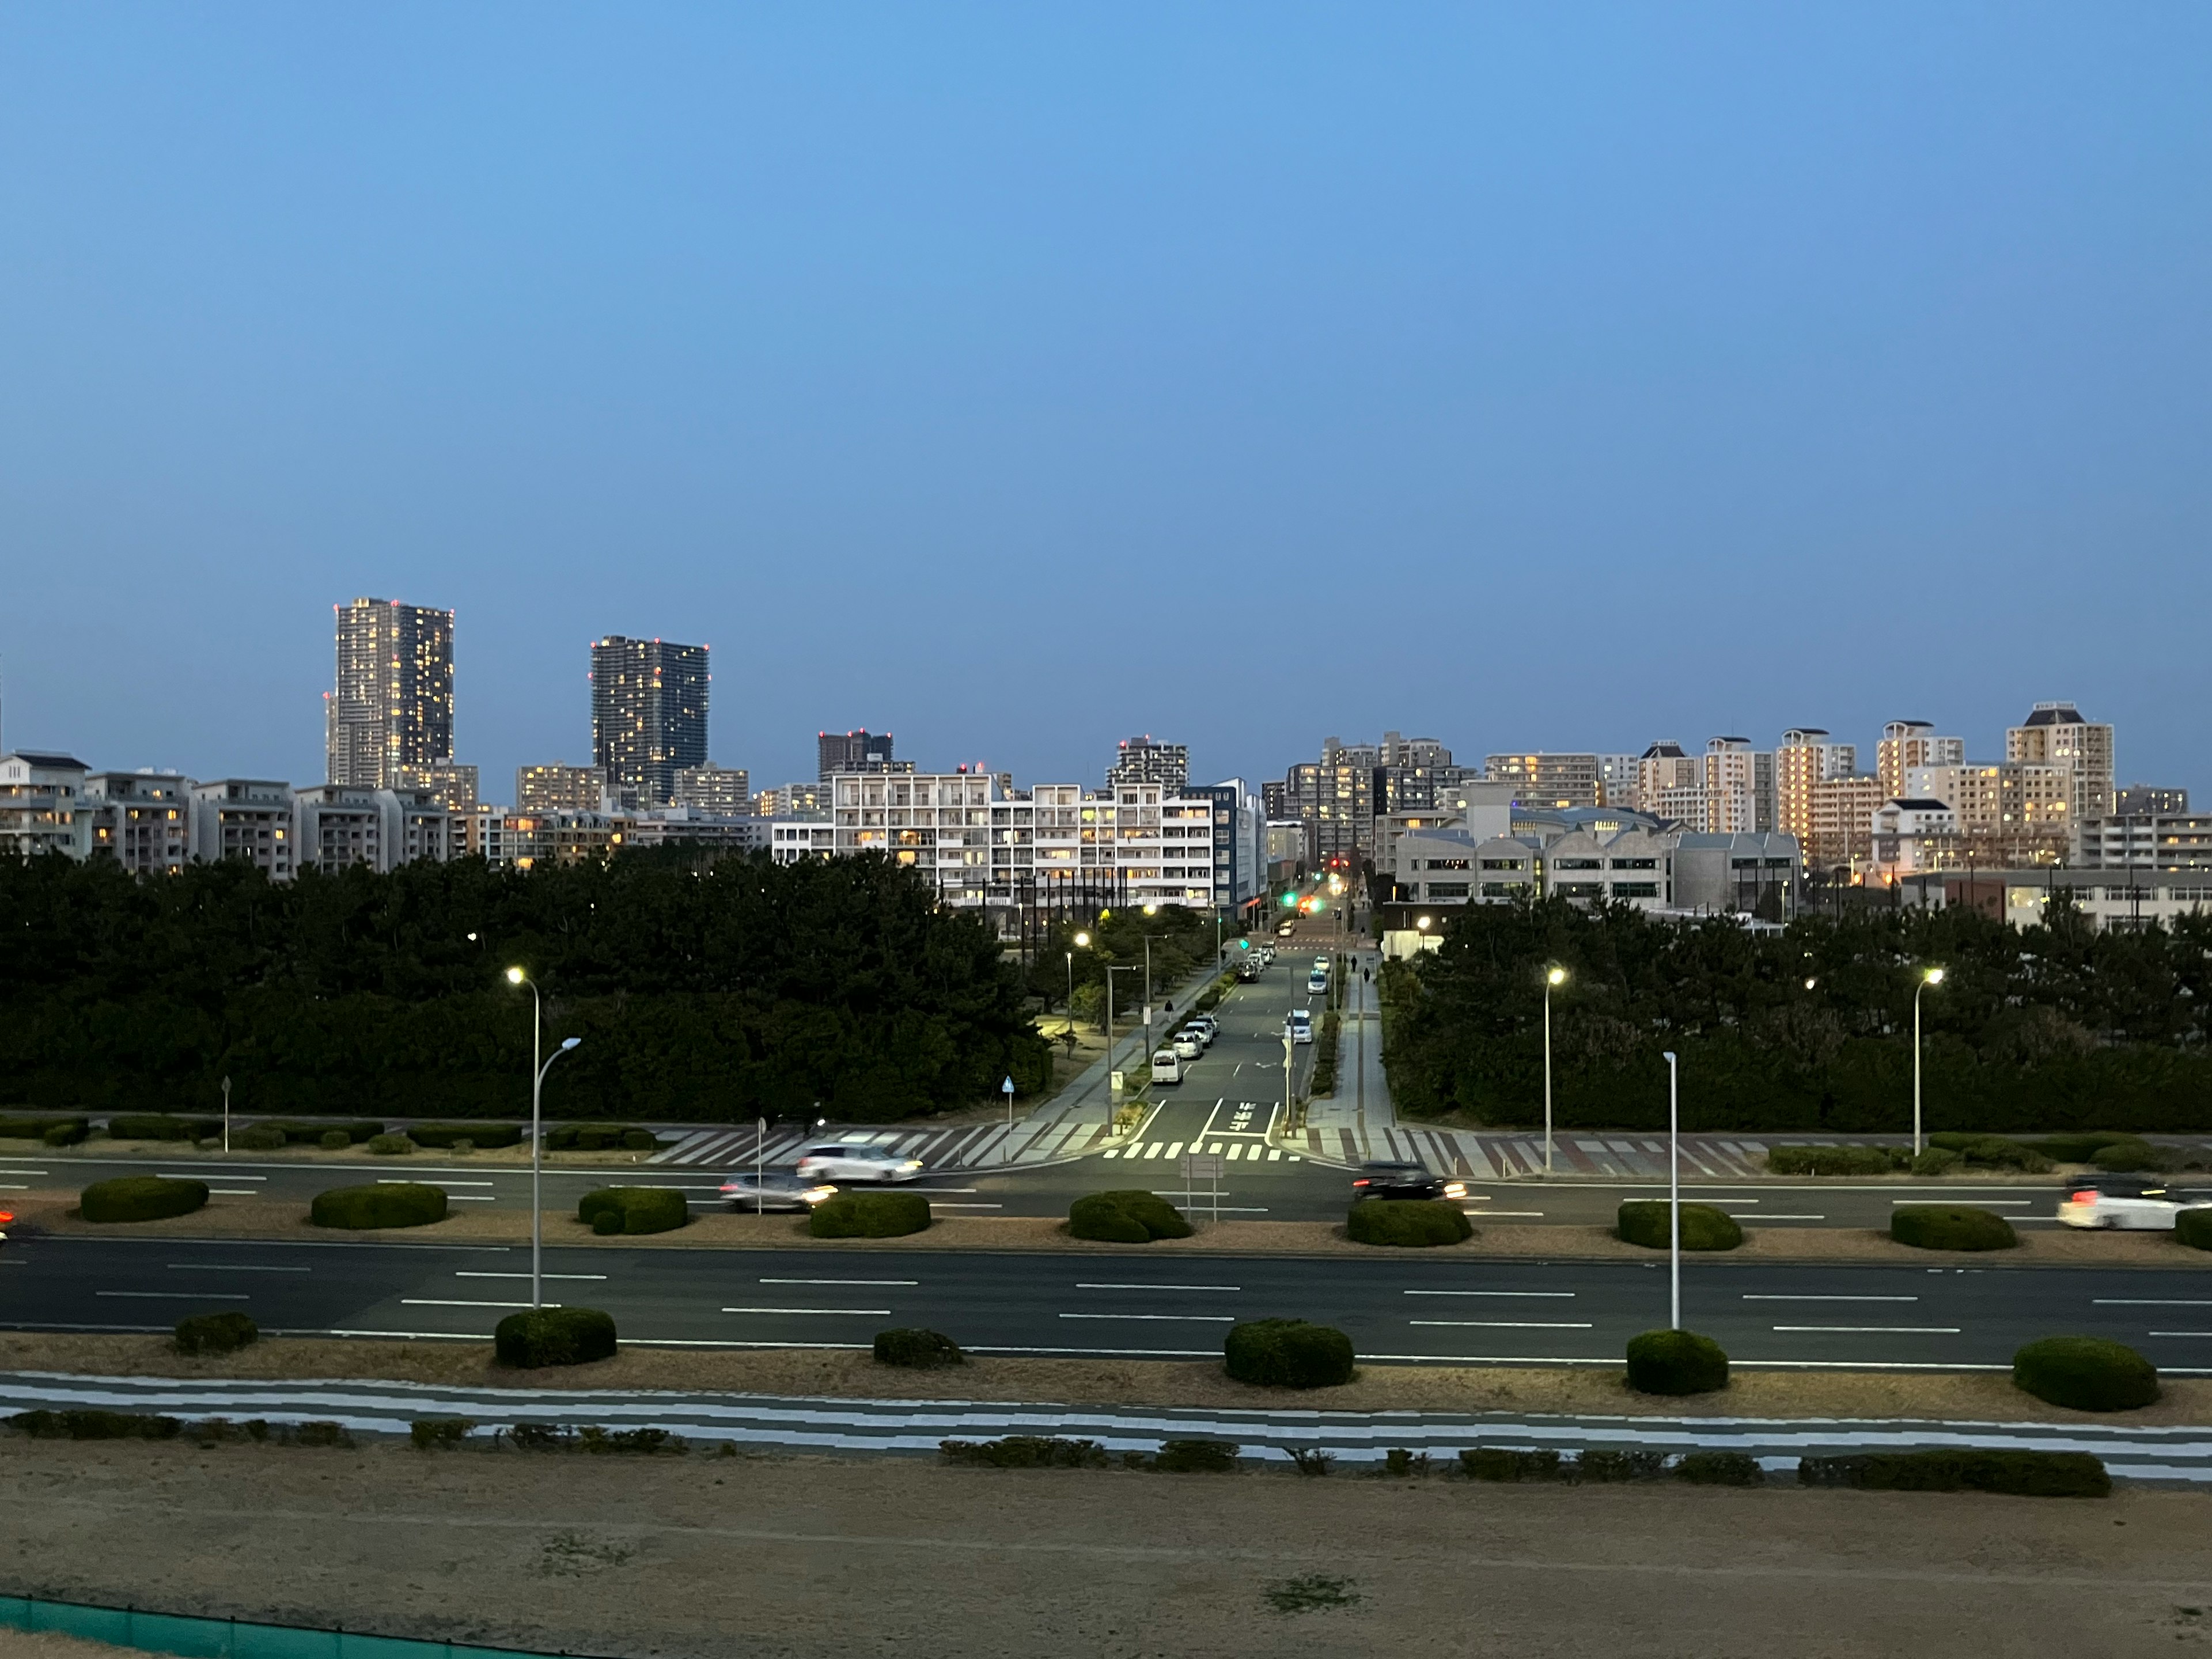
x=916, y=1426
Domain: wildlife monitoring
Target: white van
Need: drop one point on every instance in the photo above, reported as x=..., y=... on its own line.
x=1166, y=1068
x=1317, y=981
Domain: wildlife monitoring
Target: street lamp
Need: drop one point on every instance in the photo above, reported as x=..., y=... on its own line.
x=516, y=976
x=1673, y=1200
x=1927, y=976
x=1082, y=941
x=1552, y=979
x=1113, y=969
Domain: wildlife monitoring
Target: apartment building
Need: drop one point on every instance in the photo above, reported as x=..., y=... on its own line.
x=2010, y=812
x=1670, y=783
x=1907, y=745
x=648, y=715
x=1544, y=779
x=1142, y=760
x=855, y=752
x=794, y=800
x=335, y=827
x=392, y=703
x=249, y=818
x=2105, y=899
x=452, y=785
x=725, y=792
x=2146, y=800
x=1738, y=787
x=560, y=787
x=2054, y=734
x=1619, y=781
x=1840, y=832
x=2145, y=841
x=1911, y=836
x=142, y=820
x=43, y=807
x=1806, y=758
x=1338, y=798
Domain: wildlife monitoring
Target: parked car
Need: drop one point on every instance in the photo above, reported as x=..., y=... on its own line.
x=1248, y=969
x=1300, y=1026
x=2145, y=1203
x=1384, y=1179
x=1167, y=1067
x=1207, y=1028
x=1187, y=1044
x=841, y=1163
x=773, y=1189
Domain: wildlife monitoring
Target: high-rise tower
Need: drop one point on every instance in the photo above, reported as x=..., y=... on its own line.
x=648, y=715
x=393, y=704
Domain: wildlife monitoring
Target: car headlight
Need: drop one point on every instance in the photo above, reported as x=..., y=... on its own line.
x=911, y=1164
x=1454, y=1189
x=816, y=1195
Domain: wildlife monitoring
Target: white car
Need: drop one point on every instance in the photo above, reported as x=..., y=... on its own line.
x=1207, y=1028
x=1301, y=1026
x=2124, y=1202
x=839, y=1164
x=1189, y=1045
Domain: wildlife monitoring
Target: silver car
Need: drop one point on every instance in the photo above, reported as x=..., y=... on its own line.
x=754, y=1192
x=842, y=1162
x=2134, y=1202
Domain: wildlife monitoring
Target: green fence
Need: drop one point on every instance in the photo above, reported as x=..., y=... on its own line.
x=223, y=1638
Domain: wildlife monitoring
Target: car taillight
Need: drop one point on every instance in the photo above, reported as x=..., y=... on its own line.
x=2089, y=1197
x=1362, y=1181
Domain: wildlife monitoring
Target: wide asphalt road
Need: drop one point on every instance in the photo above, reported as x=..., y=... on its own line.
x=1397, y=1309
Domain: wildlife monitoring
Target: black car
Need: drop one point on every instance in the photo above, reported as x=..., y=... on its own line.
x=1384, y=1179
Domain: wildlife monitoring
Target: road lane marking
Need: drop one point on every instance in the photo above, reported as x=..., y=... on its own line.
x=402, y=1180
x=181, y=1296
x=1082, y=1286
x=448, y=1302
x=474, y=1272
x=1565, y=1293
x=1830, y=1298
x=856, y=1313
x=1785, y=1217
x=24, y=1172
x=1508, y=1213
x=2145, y=1302
x=1172, y=1319
x=165, y=1175
x=2161, y=1332
x=906, y=1189
x=1885, y=1330
x=2005, y=1203
x=841, y=1281
x=967, y=1206
x=1510, y=1324
x=231, y=1267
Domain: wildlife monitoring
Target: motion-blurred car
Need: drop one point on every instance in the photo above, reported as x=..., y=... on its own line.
x=1385, y=1179
x=2146, y=1204
x=842, y=1163
x=753, y=1192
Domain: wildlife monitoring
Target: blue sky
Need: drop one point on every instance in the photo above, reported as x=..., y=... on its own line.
x=1019, y=378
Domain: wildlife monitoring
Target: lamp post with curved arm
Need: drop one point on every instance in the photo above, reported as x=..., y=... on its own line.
x=516, y=976
x=1553, y=978
x=1927, y=976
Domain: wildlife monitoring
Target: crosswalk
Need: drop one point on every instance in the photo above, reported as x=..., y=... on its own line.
x=1499, y=1157
x=1249, y=1149
x=963, y=1146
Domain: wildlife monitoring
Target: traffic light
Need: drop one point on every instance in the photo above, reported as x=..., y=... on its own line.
x=1243, y=944
x=1290, y=900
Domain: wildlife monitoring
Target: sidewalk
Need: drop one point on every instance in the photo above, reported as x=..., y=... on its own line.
x=1361, y=1105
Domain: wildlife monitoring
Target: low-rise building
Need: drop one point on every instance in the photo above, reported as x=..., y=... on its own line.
x=720, y=791
x=337, y=826
x=142, y=820
x=42, y=808
x=2159, y=840
x=560, y=787
x=1913, y=834
x=250, y=818
x=2106, y=899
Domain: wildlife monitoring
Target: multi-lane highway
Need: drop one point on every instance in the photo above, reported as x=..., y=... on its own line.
x=1397, y=1308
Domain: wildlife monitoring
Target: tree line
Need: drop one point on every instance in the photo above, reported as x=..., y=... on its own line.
x=1810, y=1027
x=704, y=988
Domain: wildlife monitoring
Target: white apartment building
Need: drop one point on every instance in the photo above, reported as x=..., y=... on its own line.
x=143, y=819
x=43, y=807
x=1806, y=758
x=337, y=826
x=1907, y=744
x=2159, y=840
x=2010, y=811
x=2055, y=734
x=1670, y=783
x=2108, y=899
x=1738, y=782
x=1914, y=834
x=1619, y=782
x=249, y=818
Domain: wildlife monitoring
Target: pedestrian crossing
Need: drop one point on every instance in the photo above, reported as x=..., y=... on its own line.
x=1480, y=1156
x=963, y=1146
x=1250, y=1151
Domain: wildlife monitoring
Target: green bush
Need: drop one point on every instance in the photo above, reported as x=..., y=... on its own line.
x=539, y=1337
x=633, y=1210
x=389, y=1146
x=261, y=1138
x=1937, y=1161
x=1505, y=1464
x=311, y=1131
x=1406, y=1223
x=444, y=1135
x=869, y=1215
x=2020, y=1473
x=386, y=1204
x=91, y=1424
x=1025, y=1451
x=214, y=1333
x=917, y=1350
x=1287, y=1353
x=1836, y=1160
x=2194, y=1229
x=1126, y=1218
x=2128, y=1157
x=1720, y=1468
x=334, y=1140
x=44, y=1128
x=1196, y=1457
x=1643, y=1221
x=1608, y=1464
x=142, y=1197
x=2085, y=1374
x=1951, y=1227
x=160, y=1126
x=1993, y=1152
x=639, y=1141
x=1676, y=1361
x=2077, y=1149
x=431, y=1433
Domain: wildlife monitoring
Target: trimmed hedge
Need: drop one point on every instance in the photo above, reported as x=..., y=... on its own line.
x=1602, y=1465
x=389, y=1146
x=214, y=1333
x=2019, y=1473
x=1196, y=1457
x=2085, y=1374
x=1287, y=1353
x=633, y=1210
x=598, y=1137
x=1720, y=1468
x=868, y=1215
x=1025, y=1451
x=1837, y=1160
x=2128, y=1157
x=395, y=1204
x=1643, y=1221
x=260, y=1138
x=2079, y=1149
x=142, y=1197
x=160, y=1126
x=1406, y=1223
x=1676, y=1361
x=2194, y=1229
x=93, y=1424
x=480, y=1135
x=1993, y=1152
x=918, y=1350
x=1505, y=1464
x=1951, y=1227
x=539, y=1337
x=1937, y=1161
x=310, y=1131
x=16, y=1128
x=1126, y=1218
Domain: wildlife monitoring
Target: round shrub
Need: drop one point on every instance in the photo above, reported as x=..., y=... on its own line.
x=389, y=1146
x=1676, y=1361
x=2130, y=1156
x=13, y=1128
x=214, y=1333
x=446, y=1137
x=633, y=1210
x=1643, y=1221
x=1937, y=1160
x=159, y=1126
x=387, y=1204
x=261, y=1138
x=1720, y=1468
x=1126, y=1218
x=2077, y=1148
x=1287, y=1353
x=2194, y=1229
x=334, y=1140
x=142, y=1197
x=1835, y=1160
x=65, y=1134
x=869, y=1215
x=1951, y=1227
x=639, y=1141
x=917, y=1350
x=2085, y=1374
x=1406, y=1223
x=553, y=1336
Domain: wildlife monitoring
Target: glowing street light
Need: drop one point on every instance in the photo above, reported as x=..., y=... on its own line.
x=1927, y=976
x=516, y=976
x=1552, y=979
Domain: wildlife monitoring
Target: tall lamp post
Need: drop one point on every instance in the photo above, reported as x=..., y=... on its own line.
x=1674, y=1201
x=516, y=976
x=1927, y=976
x=1552, y=979
x=1111, y=970
x=1081, y=942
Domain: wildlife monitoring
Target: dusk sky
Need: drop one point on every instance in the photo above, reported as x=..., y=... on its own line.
x=1020, y=378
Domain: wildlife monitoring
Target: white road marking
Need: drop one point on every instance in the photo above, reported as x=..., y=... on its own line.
x=967, y=1206
x=234, y=1192
x=1785, y=1217
x=1172, y=1319
x=2145, y=1302
x=179, y=1296
x=1778, y=1297
x=23, y=1172
x=857, y=1313
x=167, y=1175
x=840, y=1281
x=1510, y=1324
x=1506, y=1212
x=447, y=1302
x=1885, y=1330
x=2178, y=1333
x=231, y=1267
x=1548, y=1294
x=402, y=1180
x=1995, y=1203
x=473, y=1272
x=1082, y=1286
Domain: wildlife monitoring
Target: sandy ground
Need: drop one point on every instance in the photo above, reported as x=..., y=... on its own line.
x=819, y=1558
x=247, y=1218
x=1579, y=1390
x=23, y=1644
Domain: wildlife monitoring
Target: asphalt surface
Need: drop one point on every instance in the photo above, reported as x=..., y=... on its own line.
x=1402, y=1309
